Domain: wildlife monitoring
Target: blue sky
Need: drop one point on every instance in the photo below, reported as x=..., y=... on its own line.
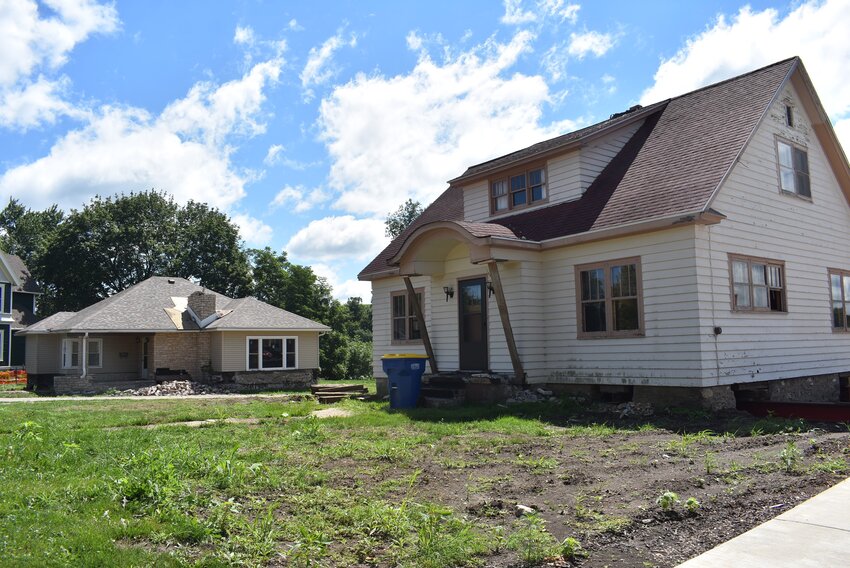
x=308, y=122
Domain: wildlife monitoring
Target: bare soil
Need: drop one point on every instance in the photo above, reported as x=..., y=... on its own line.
x=602, y=489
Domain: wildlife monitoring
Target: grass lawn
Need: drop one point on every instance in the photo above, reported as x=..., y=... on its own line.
x=88, y=484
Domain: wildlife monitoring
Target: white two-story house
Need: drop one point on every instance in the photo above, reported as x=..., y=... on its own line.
x=688, y=249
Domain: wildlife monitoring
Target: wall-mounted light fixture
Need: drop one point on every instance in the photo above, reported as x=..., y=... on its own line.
x=490, y=289
x=450, y=292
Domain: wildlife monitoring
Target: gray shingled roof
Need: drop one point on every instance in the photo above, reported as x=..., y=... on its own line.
x=148, y=306
x=670, y=167
x=21, y=271
x=252, y=314
x=49, y=323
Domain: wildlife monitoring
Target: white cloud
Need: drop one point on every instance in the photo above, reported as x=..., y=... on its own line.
x=514, y=13
x=244, y=35
x=414, y=41
x=591, y=42
x=41, y=101
x=31, y=45
x=28, y=41
x=295, y=26
x=319, y=67
x=334, y=238
x=273, y=154
x=299, y=198
x=253, y=231
x=563, y=10
x=343, y=289
x=390, y=138
x=816, y=31
x=185, y=151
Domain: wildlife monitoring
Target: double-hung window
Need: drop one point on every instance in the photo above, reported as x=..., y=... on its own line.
x=272, y=353
x=72, y=353
x=518, y=190
x=610, y=299
x=404, y=323
x=793, y=169
x=839, y=291
x=758, y=285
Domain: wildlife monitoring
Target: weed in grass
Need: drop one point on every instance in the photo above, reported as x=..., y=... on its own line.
x=310, y=547
x=836, y=465
x=667, y=500
x=774, y=425
x=532, y=542
x=790, y=457
x=710, y=463
x=571, y=549
x=536, y=465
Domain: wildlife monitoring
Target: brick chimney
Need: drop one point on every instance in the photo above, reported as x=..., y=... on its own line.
x=202, y=304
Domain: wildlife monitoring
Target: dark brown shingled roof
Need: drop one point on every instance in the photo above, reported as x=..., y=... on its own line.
x=672, y=165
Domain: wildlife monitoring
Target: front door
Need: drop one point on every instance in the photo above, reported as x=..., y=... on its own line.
x=472, y=325
x=144, y=372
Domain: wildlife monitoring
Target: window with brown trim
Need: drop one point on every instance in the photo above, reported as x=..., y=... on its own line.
x=610, y=299
x=518, y=189
x=405, y=326
x=793, y=168
x=839, y=295
x=758, y=284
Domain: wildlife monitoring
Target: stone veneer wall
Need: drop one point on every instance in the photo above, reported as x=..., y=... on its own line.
x=185, y=351
x=293, y=379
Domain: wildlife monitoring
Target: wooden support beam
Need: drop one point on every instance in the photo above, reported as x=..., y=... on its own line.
x=417, y=310
x=506, y=321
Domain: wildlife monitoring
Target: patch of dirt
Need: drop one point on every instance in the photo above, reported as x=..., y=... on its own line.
x=332, y=413
x=603, y=489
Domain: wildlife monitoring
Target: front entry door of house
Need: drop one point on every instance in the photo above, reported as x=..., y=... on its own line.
x=472, y=325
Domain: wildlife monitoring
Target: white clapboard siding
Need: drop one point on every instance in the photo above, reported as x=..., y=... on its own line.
x=668, y=354
x=596, y=155
x=808, y=236
x=476, y=202
x=564, y=177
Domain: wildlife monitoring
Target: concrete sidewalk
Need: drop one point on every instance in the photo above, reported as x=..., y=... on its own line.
x=813, y=534
x=100, y=398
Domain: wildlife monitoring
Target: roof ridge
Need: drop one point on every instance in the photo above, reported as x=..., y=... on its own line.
x=735, y=78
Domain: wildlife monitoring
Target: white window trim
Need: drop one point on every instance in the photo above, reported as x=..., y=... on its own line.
x=77, y=340
x=3, y=298
x=260, y=357
x=2, y=344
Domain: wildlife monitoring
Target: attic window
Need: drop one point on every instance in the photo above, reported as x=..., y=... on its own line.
x=793, y=169
x=518, y=190
x=789, y=116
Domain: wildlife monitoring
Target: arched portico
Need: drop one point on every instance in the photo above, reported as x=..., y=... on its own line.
x=427, y=251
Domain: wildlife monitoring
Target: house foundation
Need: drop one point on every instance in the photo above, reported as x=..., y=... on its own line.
x=243, y=381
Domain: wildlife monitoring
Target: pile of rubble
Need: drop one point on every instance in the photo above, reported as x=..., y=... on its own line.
x=174, y=388
x=521, y=395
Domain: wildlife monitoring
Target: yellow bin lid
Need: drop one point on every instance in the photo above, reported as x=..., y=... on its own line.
x=403, y=356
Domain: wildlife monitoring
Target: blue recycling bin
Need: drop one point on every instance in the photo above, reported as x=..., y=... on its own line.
x=404, y=373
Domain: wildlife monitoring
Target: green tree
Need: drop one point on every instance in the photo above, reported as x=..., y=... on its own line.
x=25, y=232
x=210, y=251
x=115, y=242
x=402, y=217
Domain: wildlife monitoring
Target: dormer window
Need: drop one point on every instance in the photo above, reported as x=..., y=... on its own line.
x=518, y=190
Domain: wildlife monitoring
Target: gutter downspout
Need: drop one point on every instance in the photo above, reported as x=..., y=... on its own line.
x=85, y=342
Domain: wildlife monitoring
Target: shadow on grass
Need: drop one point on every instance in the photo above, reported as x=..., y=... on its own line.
x=570, y=414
